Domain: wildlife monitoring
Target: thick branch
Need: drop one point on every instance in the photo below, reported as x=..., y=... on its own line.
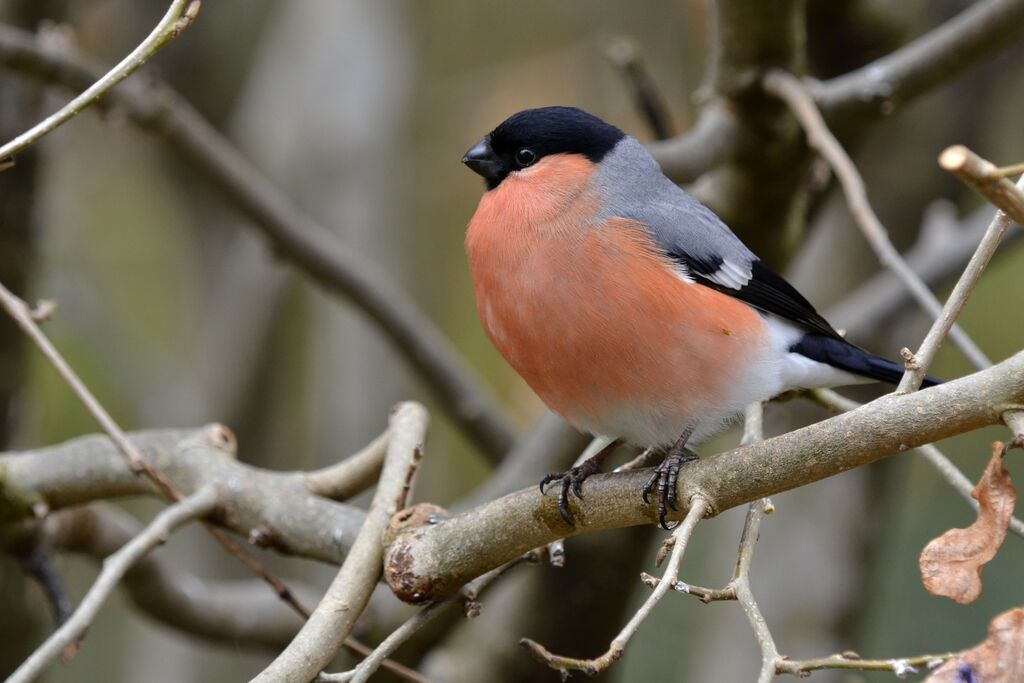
x=295, y=236
x=430, y=562
x=197, y=505
x=877, y=89
x=326, y=629
x=89, y=469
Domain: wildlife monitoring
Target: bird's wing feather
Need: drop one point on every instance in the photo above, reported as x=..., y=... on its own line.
x=703, y=248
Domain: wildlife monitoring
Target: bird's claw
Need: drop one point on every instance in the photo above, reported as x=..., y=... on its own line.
x=664, y=481
x=571, y=480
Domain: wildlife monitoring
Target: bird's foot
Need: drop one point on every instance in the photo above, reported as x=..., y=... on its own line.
x=664, y=481
x=573, y=479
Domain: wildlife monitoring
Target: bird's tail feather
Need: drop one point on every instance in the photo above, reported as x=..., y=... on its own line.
x=846, y=356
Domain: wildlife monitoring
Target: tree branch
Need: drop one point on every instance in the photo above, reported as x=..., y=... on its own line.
x=175, y=20
x=792, y=91
x=298, y=238
x=957, y=300
x=713, y=140
x=944, y=246
x=830, y=400
x=879, y=88
x=88, y=469
x=23, y=316
x=428, y=563
x=333, y=619
x=195, y=506
x=679, y=539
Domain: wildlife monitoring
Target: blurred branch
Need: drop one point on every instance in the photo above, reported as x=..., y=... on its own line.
x=25, y=317
x=38, y=564
x=195, y=506
x=177, y=18
x=879, y=88
x=88, y=469
x=679, y=539
x=430, y=562
x=624, y=55
x=333, y=619
x=713, y=140
x=792, y=91
x=830, y=400
x=944, y=246
x=295, y=236
x=955, y=159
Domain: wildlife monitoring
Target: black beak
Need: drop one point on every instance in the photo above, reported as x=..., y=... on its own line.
x=481, y=160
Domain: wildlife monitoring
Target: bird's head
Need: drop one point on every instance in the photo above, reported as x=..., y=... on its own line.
x=537, y=136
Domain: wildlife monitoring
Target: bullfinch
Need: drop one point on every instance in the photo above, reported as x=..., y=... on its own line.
x=628, y=306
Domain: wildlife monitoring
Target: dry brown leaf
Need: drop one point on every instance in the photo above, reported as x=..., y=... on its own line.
x=998, y=659
x=951, y=564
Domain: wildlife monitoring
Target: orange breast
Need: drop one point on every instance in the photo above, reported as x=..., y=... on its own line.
x=592, y=315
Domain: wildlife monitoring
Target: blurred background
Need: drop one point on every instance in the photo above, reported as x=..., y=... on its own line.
x=176, y=314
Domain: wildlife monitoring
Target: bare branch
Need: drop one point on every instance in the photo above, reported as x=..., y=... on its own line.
x=352, y=475
x=879, y=88
x=175, y=20
x=944, y=246
x=792, y=91
x=680, y=537
x=295, y=236
x=957, y=300
x=848, y=662
x=466, y=598
x=23, y=315
x=624, y=54
x=714, y=139
x=936, y=458
x=986, y=179
x=199, y=504
x=428, y=563
x=89, y=468
x=324, y=632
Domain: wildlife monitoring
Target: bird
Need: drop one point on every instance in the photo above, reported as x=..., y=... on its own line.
x=629, y=307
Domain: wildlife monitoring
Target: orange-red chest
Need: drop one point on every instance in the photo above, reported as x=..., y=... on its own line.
x=589, y=312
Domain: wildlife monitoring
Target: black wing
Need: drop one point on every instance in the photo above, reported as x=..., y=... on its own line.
x=764, y=290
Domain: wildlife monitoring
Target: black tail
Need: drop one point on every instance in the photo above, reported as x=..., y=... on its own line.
x=845, y=356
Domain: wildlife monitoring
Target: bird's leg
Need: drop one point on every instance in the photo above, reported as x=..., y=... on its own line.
x=574, y=478
x=666, y=474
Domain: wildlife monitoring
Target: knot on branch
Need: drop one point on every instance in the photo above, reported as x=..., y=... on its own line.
x=400, y=567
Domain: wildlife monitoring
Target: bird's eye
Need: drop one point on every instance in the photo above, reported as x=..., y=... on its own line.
x=525, y=157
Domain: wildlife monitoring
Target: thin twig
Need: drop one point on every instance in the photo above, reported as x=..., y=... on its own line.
x=947, y=470
x=324, y=632
x=794, y=93
x=199, y=504
x=986, y=179
x=311, y=247
x=680, y=536
x=745, y=596
x=702, y=593
x=175, y=20
x=900, y=666
x=467, y=598
x=22, y=315
x=953, y=160
x=624, y=54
